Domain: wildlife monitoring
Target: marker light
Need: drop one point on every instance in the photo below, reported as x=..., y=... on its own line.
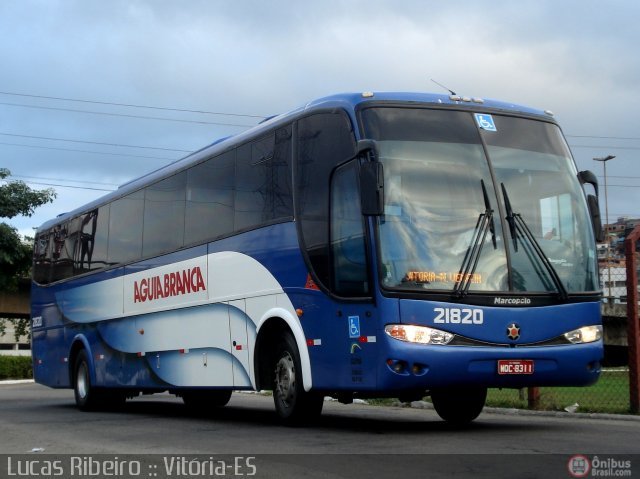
x=417, y=334
x=587, y=334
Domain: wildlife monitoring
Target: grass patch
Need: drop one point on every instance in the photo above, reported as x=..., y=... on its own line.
x=15, y=367
x=609, y=395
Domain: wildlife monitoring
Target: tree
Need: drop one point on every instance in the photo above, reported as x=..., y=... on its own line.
x=16, y=198
x=20, y=328
x=15, y=257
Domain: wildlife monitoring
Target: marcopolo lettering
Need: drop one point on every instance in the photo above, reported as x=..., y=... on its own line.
x=168, y=285
x=512, y=301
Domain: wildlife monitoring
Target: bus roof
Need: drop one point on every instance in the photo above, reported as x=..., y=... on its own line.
x=347, y=101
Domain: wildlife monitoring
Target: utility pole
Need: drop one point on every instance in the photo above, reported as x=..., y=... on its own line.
x=606, y=208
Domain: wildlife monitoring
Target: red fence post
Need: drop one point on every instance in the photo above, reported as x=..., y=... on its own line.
x=633, y=331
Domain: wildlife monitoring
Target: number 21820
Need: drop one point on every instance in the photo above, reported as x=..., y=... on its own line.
x=458, y=316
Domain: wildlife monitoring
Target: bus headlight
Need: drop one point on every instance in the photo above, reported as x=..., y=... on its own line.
x=586, y=334
x=417, y=334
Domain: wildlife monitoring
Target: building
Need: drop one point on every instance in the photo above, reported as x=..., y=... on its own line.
x=8, y=344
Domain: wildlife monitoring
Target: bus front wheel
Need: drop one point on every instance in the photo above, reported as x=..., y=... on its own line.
x=293, y=404
x=88, y=397
x=459, y=406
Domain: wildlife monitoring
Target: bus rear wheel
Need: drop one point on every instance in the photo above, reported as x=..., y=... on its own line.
x=293, y=404
x=459, y=406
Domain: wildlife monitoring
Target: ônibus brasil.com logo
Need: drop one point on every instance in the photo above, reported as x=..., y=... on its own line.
x=582, y=466
x=579, y=466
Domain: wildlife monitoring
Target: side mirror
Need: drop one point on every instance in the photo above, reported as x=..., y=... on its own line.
x=367, y=146
x=594, y=210
x=588, y=177
x=372, y=188
x=371, y=179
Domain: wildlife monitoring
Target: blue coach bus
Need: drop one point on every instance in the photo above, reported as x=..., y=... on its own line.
x=364, y=245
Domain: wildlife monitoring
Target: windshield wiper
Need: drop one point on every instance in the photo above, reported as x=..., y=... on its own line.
x=511, y=218
x=517, y=225
x=472, y=256
x=489, y=211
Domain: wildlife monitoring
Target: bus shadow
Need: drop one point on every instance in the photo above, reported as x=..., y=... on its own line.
x=357, y=421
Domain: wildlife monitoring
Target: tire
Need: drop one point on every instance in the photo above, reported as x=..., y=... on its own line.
x=205, y=400
x=87, y=396
x=459, y=406
x=294, y=405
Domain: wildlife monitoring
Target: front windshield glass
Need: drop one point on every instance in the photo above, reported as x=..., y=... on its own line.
x=440, y=193
x=532, y=161
x=434, y=170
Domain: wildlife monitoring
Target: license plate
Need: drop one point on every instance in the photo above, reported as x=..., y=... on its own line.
x=515, y=366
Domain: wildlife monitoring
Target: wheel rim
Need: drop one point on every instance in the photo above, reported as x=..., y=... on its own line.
x=82, y=383
x=286, y=379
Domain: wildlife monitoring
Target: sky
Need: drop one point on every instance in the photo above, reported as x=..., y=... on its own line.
x=95, y=93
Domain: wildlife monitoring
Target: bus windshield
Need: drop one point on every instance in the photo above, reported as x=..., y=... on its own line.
x=479, y=203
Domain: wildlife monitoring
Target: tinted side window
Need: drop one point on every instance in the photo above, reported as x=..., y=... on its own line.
x=42, y=258
x=164, y=207
x=248, y=200
x=263, y=180
x=324, y=141
x=210, y=197
x=280, y=190
x=64, y=244
x=125, y=228
x=347, y=234
x=251, y=183
x=91, y=248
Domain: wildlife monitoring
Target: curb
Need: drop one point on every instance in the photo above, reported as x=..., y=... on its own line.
x=16, y=381
x=563, y=414
x=528, y=412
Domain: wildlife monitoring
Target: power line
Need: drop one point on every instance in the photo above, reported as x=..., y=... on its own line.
x=206, y=112
x=131, y=105
x=72, y=110
x=87, y=151
x=69, y=186
x=97, y=102
x=29, y=178
x=95, y=142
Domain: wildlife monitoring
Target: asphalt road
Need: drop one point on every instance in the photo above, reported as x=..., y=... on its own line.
x=349, y=441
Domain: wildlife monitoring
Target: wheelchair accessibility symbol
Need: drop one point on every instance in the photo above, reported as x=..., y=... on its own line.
x=485, y=122
x=354, y=326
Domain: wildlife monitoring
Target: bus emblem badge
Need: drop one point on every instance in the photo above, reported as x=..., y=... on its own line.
x=513, y=331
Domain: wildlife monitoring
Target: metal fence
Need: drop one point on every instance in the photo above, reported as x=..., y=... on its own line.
x=618, y=389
